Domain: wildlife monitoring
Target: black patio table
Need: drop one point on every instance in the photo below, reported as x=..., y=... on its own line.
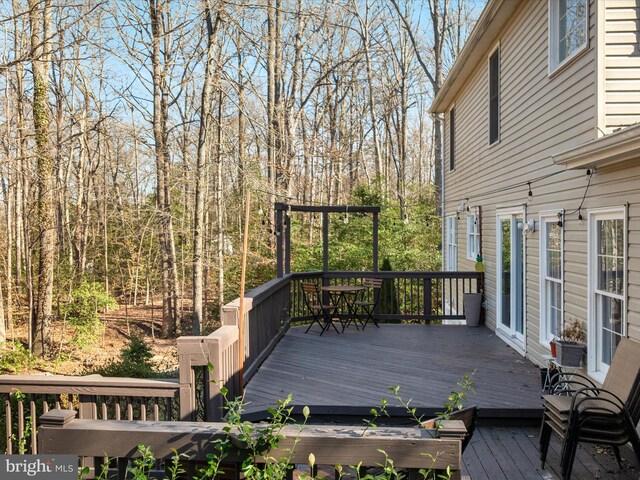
x=344, y=295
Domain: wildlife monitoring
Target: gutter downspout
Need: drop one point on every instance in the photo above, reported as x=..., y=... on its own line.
x=442, y=202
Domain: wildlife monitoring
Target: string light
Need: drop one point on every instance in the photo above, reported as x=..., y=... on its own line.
x=405, y=220
x=559, y=219
x=260, y=211
x=530, y=192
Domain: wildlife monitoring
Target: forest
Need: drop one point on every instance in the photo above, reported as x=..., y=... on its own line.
x=132, y=131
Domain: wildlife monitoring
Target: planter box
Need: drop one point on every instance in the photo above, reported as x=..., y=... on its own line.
x=569, y=354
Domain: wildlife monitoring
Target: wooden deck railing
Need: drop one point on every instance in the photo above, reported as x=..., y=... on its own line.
x=265, y=320
x=422, y=296
x=419, y=296
x=94, y=397
x=411, y=448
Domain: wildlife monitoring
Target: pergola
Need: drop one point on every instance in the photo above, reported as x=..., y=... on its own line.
x=283, y=242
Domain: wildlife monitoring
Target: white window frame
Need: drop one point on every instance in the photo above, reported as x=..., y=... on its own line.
x=452, y=244
x=473, y=236
x=596, y=368
x=554, y=33
x=546, y=219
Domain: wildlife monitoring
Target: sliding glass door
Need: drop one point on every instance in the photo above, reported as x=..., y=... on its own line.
x=510, y=274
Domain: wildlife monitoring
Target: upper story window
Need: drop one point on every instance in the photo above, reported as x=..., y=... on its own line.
x=452, y=139
x=568, y=30
x=494, y=96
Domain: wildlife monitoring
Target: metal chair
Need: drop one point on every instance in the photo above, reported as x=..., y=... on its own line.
x=313, y=301
x=579, y=411
x=368, y=306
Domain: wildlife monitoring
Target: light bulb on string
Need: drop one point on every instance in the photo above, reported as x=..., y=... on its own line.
x=405, y=220
x=260, y=211
x=346, y=218
x=530, y=192
x=580, y=218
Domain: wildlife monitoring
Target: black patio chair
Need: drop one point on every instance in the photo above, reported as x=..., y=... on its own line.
x=322, y=314
x=579, y=411
x=367, y=307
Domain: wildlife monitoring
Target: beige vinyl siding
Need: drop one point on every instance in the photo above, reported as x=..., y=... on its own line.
x=622, y=64
x=540, y=116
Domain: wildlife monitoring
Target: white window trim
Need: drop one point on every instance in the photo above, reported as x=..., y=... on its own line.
x=554, y=63
x=549, y=217
x=471, y=217
x=497, y=140
x=593, y=215
x=452, y=243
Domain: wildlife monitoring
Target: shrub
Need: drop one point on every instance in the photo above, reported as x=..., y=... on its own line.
x=14, y=357
x=83, y=312
x=134, y=362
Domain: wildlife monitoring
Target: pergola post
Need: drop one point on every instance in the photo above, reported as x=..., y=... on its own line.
x=279, y=256
x=325, y=241
x=375, y=241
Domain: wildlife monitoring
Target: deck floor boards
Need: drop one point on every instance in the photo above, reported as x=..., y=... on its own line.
x=353, y=371
x=348, y=374
x=512, y=453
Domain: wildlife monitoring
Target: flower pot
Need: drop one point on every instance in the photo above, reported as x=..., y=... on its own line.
x=472, y=305
x=569, y=354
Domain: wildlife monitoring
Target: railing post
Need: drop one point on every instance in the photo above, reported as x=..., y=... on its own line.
x=213, y=409
x=187, y=346
x=49, y=423
x=428, y=314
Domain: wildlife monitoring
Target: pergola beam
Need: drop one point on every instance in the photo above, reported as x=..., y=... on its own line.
x=283, y=235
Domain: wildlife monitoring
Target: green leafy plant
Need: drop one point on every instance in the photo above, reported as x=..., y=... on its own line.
x=83, y=312
x=134, y=362
x=14, y=357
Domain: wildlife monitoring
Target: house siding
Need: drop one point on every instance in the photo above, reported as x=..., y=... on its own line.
x=622, y=64
x=542, y=115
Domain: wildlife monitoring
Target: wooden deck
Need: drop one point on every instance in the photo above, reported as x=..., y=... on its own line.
x=511, y=453
x=348, y=374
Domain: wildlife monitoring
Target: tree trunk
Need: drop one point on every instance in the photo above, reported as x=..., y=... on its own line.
x=160, y=134
x=201, y=167
x=40, y=24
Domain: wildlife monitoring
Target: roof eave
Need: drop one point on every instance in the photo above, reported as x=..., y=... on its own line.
x=482, y=38
x=618, y=147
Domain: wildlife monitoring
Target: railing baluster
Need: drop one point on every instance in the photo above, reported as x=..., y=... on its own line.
x=8, y=429
x=34, y=417
x=20, y=424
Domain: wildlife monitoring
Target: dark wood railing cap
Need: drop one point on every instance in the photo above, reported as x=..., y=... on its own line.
x=452, y=429
x=57, y=417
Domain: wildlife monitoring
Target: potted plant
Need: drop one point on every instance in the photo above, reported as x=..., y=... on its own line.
x=570, y=345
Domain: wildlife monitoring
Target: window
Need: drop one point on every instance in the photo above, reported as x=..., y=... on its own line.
x=494, y=96
x=568, y=30
x=473, y=236
x=607, y=287
x=452, y=142
x=551, y=267
x=452, y=245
